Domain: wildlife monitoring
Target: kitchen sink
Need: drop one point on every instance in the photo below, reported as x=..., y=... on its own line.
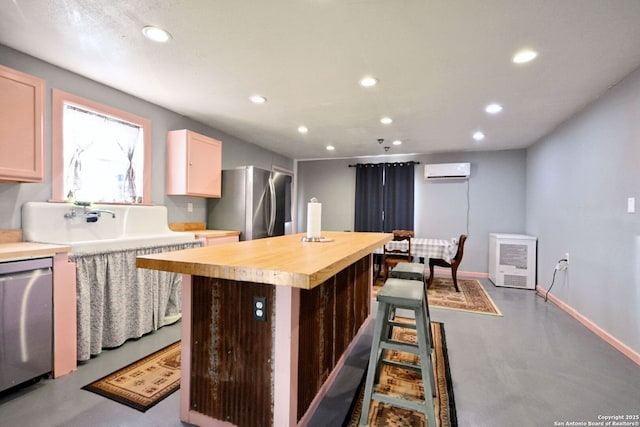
x=99, y=228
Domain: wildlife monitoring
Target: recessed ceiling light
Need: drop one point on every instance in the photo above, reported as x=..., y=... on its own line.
x=258, y=99
x=368, y=82
x=303, y=129
x=386, y=120
x=478, y=136
x=156, y=34
x=493, y=108
x=397, y=142
x=330, y=147
x=524, y=55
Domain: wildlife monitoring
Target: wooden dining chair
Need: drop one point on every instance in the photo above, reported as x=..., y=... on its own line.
x=391, y=257
x=454, y=264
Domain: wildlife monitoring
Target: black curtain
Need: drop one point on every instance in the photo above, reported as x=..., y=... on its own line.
x=398, y=196
x=369, y=204
x=384, y=196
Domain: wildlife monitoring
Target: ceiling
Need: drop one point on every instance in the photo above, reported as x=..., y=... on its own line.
x=437, y=62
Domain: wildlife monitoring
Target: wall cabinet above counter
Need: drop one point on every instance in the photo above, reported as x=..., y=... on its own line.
x=22, y=107
x=194, y=164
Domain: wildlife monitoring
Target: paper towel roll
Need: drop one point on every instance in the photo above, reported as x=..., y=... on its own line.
x=314, y=214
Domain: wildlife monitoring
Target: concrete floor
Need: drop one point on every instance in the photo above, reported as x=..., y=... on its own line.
x=535, y=366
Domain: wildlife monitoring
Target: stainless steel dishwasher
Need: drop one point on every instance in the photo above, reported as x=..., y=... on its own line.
x=26, y=321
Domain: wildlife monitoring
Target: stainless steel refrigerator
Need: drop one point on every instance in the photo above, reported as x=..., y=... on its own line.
x=254, y=201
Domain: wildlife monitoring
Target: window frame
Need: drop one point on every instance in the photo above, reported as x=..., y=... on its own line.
x=59, y=99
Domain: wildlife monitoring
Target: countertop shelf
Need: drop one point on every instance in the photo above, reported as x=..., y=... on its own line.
x=199, y=229
x=215, y=233
x=26, y=250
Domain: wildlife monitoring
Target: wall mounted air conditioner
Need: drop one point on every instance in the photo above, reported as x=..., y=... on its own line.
x=512, y=260
x=447, y=171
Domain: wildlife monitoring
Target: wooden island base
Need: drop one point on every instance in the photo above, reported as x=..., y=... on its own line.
x=239, y=370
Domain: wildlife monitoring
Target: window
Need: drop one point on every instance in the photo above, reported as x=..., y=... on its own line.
x=99, y=154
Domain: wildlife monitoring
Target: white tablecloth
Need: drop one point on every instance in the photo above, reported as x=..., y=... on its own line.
x=426, y=248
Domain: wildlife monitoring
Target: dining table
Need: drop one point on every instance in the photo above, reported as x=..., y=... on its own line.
x=425, y=248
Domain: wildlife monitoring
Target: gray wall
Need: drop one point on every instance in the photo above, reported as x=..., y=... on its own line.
x=496, y=194
x=578, y=182
x=235, y=152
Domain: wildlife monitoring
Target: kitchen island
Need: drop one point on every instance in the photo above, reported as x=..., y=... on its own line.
x=246, y=367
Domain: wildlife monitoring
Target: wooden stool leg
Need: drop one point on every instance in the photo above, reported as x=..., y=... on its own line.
x=430, y=274
x=426, y=367
x=381, y=327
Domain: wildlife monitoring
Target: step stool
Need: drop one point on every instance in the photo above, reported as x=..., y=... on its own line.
x=408, y=295
x=412, y=271
x=409, y=271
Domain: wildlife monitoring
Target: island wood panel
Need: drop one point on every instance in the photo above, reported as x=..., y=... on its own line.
x=231, y=352
x=330, y=317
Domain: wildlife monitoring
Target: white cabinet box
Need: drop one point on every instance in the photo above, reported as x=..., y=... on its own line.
x=512, y=260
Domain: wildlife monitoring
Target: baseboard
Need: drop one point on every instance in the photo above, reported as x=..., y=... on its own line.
x=447, y=273
x=607, y=337
x=473, y=274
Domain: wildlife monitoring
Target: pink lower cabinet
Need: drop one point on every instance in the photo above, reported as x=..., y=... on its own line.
x=214, y=237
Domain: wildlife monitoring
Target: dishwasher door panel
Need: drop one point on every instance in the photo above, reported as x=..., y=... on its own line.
x=26, y=323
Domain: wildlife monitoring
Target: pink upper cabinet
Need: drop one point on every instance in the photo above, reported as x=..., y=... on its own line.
x=194, y=164
x=22, y=100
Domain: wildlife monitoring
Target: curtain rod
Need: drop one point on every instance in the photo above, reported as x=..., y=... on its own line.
x=384, y=163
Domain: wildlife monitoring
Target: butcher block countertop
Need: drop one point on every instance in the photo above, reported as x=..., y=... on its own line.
x=283, y=260
x=27, y=250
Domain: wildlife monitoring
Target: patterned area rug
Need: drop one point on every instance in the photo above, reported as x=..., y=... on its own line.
x=144, y=383
x=408, y=383
x=472, y=296
x=442, y=294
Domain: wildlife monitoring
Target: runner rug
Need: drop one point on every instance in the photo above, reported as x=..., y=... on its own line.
x=144, y=383
x=442, y=294
x=408, y=384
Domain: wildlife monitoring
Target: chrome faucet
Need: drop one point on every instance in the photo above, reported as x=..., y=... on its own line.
x=71, y=214
x=91, y=215
x=96, y=213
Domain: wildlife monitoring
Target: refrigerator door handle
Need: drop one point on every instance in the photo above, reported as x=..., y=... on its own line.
x=272, y=207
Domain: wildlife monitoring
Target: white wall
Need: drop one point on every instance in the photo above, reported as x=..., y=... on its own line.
x=235, y=152
x=496, y=193
x=578, y=182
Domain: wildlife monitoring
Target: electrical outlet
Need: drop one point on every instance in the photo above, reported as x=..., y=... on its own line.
x=561, y=266
x=189, y=207
x=260, y=308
